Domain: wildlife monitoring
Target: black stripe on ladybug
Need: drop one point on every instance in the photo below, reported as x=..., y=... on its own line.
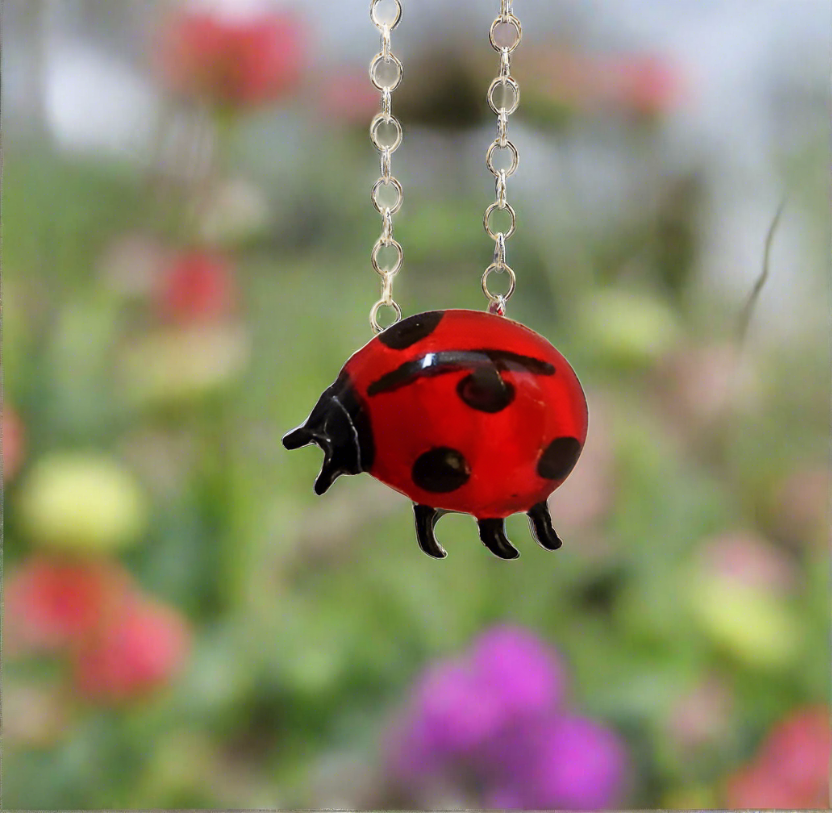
x=484, y=389
x=340, y=426
x=559, y=458
x=406, y=333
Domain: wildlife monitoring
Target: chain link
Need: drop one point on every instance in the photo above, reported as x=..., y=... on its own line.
x=386, y=73
x=505, y=36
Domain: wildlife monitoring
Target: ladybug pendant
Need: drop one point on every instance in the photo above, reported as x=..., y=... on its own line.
x=461, y=411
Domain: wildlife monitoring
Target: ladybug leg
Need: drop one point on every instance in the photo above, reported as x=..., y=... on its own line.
x=540, y=521
x=426, y=519
x=493, y=535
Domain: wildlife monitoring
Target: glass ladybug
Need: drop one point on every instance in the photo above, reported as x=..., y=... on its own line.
x=461, y=411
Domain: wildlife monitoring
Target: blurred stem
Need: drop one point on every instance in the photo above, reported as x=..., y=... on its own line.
x=183, y=200
x=226, y=124
x=220, y=130
x=748, y=310
x=223, y=496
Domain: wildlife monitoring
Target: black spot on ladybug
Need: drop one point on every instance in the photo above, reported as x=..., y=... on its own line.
x=406, y=333
x=452, y=361
x=441, y=470
x=485, y=390
x=559, y=458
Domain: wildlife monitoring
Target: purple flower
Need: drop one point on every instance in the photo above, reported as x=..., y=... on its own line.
x=407, y=750
x=492, y=722
x=450, y=716
x=524, y=675
x=573, y=763
x=503, y=798
x=459, y=706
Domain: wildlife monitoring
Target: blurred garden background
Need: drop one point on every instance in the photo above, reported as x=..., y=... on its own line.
x=186, y=236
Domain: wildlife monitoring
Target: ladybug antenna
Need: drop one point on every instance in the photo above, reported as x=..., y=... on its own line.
x=297, y=439
x=330, y=471
x=341, y=428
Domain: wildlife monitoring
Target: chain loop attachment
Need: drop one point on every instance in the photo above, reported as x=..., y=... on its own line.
x=386, y=74
x=504, y=82
x=381, y=24
x=505, y=36
x=386, y=273
x=394, y=207
x=374, y=314
x=377, y=138
x=512, y=283
x=487, y=220
x=389, y=59
x=490, y=155
x=498, y=27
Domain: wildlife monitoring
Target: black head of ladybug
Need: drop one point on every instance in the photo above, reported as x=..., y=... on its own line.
x=340, y=427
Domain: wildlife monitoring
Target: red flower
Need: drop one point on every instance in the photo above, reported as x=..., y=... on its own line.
x=137, y=651
x=13, y=442
x=791, y=769
x=197, y=286
x=52, y=603
x=231, y=63
x=752, y=787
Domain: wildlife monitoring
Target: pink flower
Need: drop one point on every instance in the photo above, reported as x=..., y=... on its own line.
x=645, y=84
x=138, y=650
x=197, y=286
x=13, y=443
x=348, y=96
x=698, y=386
x=53, y=603
x=791, y=769
x=231, y=63
x=642, y=84
x=745, y=558
x=699, y=716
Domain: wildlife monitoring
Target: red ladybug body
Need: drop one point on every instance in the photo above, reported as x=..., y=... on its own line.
x=460, y=411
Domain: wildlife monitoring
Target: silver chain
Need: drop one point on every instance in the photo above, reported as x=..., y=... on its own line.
x=505, y=35
x=386, y=74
